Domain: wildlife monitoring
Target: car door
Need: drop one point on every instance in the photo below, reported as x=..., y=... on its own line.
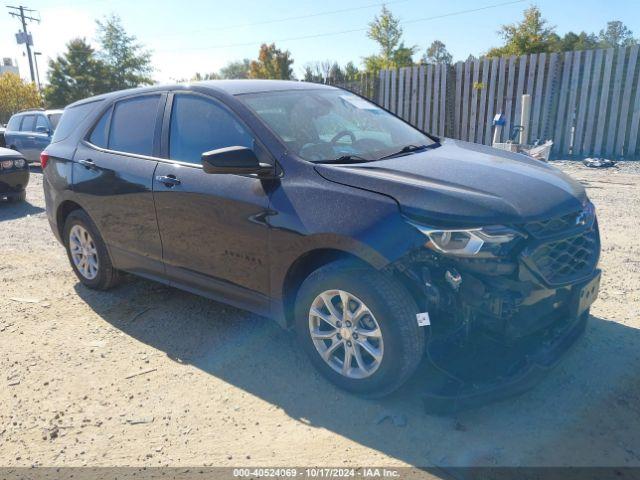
x=41, y=136
x=24, y=138
x=113, y=176
x=214, y=237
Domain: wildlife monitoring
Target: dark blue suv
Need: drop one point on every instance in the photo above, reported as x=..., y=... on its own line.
x=375, y=241
x=29, y=132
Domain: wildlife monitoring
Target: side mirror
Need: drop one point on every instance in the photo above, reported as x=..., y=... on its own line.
x=237, y=160
x=43, y=130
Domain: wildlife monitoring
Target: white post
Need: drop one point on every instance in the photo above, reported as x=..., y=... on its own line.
x=524, y=118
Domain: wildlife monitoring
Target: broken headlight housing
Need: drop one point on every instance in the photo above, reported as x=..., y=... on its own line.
x=492, y=241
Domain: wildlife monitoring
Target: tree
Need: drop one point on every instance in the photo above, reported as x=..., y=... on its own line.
x=272, y=63
x=437, y=53
x=616, y=35
x=531, y=35
x=76, y=74
x=16, y=95
x=129, y=65
x=575, y=41
x=198, y=77
x=238, y=69
x=385, y=30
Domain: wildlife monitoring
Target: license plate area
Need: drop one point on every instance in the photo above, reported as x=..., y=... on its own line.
x=586, y=295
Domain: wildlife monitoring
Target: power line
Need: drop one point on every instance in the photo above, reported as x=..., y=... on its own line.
x=343, y=32
x=285, y=19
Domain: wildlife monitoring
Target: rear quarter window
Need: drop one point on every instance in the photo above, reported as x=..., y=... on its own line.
x=71, y=119
x=14, y=123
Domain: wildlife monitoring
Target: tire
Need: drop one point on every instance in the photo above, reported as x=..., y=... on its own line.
x=20, y=197
x=391, y=308
x=106, y=276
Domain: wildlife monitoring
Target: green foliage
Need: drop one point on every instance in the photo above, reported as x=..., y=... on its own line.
x=531, y=35
x=128, y=64
x=75, y=74
x=16, y=95
x=386, y=31
x=238, y=69
x=437, y=53
x=575, y=41
x=272, y=63
x=616, y=35
x=330, y=72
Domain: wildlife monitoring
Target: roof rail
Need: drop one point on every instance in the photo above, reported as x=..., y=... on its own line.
x=31, y=110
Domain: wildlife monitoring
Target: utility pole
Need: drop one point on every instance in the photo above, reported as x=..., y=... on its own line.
x=25, y=35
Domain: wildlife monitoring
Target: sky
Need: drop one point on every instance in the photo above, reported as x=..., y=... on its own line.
x=204, y=35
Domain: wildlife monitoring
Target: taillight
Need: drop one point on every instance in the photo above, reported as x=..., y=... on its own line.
x=44, y=159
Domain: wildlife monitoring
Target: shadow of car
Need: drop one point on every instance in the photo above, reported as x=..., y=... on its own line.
x=585, y=405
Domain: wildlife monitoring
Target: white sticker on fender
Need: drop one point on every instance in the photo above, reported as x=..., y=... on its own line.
x=423, y=319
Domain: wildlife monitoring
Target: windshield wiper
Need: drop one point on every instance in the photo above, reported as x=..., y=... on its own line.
x=345, y=159
x=405, y=149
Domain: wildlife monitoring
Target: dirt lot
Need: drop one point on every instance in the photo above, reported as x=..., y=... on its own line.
x=147, y=375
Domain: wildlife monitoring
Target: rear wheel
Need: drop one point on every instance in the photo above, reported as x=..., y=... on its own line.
x=87, y=252
x=359, y=328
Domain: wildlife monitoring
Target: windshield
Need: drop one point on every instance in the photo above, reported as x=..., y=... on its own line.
x=321, y=125
x=54, y=118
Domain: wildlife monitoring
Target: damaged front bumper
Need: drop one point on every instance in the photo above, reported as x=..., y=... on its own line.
x=497, y=328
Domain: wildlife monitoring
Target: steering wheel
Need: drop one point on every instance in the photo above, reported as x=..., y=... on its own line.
x=343, y=133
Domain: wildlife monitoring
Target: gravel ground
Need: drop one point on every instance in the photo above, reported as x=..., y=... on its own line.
x=147, y=375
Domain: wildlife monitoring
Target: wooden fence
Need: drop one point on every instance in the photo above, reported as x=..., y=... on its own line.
x=587, y=102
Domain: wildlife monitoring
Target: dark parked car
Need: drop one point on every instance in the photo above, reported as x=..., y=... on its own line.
x=2, y=130
x=311, y=205
x=30, y=131
x=14, y=175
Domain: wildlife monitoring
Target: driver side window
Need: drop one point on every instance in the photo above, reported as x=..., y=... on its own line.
x=199, y=125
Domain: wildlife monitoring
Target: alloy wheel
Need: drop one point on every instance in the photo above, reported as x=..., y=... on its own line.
x=83, y=252
x=346, y=334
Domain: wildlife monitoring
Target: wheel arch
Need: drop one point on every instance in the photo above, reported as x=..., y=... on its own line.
x=63, y=211
x=303, y=266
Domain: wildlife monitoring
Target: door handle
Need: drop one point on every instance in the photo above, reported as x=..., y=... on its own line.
x=168, y=180
x=88, y=163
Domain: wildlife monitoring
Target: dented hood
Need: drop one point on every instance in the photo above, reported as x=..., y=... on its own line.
x=465, y=184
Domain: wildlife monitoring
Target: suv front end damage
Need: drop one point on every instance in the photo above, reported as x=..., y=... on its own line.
x=503, y=306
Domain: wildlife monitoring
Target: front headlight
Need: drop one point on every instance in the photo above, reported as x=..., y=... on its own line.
x=474, y=242
x=19, y=163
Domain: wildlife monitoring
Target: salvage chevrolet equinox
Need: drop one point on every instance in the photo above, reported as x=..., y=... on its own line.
x=311, y=205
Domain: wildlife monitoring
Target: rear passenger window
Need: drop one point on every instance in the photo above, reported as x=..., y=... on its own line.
x=101, y=130
x=41, y=121
x=199, y=125
x=133, y=125
x=28, y=123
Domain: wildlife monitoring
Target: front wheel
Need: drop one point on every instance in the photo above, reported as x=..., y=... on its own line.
x=359, y=328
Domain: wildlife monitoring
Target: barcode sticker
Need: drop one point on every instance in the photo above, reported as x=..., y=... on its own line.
x=423, y=319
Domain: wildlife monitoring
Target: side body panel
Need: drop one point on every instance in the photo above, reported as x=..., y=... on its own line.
x=117, y=194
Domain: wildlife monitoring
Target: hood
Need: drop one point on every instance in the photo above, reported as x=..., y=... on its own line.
x=8, y=153
x=465, y=184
